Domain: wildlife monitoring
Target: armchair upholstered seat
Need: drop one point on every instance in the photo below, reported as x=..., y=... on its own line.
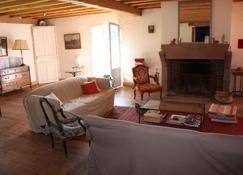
x=141, y=79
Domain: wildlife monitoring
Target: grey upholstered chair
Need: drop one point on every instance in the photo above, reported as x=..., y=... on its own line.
x=59, y=125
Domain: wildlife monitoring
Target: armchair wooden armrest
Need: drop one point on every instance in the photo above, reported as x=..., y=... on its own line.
x=155, y=78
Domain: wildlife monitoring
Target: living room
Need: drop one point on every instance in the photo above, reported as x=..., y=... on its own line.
x=142, y=31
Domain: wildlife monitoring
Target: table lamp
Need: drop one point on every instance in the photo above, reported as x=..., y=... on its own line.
x=20, y=45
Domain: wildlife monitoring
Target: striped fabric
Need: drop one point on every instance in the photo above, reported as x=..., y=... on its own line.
x=226, y=110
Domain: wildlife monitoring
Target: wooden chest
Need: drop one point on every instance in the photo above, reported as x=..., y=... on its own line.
x=14, y=78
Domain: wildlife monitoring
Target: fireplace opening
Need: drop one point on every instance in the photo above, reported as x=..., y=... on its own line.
x=194, y=77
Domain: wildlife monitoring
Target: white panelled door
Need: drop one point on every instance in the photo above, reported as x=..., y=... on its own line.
x=46, y=54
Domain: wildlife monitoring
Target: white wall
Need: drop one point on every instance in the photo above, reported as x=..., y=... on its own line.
x=137, y=42
x=221, y=19
x=237, y=33
x=83, y=26
x=20, y=31
x=169, y=21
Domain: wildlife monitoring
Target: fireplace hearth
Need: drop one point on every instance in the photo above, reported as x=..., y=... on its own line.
x=197, y=70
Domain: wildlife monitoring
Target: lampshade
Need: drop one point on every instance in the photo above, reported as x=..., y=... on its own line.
x=20, y=45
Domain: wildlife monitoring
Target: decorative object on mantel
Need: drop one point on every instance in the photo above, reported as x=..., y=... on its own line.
x=240, y=43
x=72, y=41
x=223, y=97
x=150, y=28
x=173, y=42
x=139, y=61
x=215, y=41
x=20, y=45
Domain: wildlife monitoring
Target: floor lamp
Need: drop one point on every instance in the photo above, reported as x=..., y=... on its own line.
x=20, y=45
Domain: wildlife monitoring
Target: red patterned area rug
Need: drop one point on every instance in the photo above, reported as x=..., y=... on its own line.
x=130, y=114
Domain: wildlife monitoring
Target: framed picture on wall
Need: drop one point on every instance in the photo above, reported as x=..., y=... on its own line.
x=3, y=46
x=72, y=41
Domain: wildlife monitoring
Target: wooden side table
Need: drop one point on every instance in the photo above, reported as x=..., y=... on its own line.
x=74, y=72
x=237, y=73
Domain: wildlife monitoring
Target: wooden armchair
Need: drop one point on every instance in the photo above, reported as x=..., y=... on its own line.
x=141, y=79
x=59, y=125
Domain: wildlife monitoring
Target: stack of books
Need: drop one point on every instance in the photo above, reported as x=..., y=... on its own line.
x=222, y=113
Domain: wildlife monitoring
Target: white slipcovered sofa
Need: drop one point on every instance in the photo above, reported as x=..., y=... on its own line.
x=125, y=148
x=69, y=91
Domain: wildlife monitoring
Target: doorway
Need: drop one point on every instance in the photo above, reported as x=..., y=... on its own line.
x=105, y=49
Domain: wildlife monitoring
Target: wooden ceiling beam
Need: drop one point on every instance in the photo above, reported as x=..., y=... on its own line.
x=16, y=4
x=114, y=5
x=7, y=19
x=75, y=14
x=63, y=9
x=27, y=7
x=80, y=10
x=4, y=1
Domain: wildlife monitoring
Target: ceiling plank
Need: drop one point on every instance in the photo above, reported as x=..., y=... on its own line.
x=75, y=14
x=73, y=11
x=28, y=7
x=7, y=19
x=115, y=5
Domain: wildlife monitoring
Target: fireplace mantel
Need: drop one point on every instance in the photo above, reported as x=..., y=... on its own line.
x=213, y=53
x=195, y=51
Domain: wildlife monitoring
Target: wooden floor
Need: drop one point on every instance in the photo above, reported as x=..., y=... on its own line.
x=23, y=152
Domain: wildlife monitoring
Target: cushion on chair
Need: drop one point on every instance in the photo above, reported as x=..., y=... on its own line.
x=54, y=101
x=149, y=87
x=71, y=129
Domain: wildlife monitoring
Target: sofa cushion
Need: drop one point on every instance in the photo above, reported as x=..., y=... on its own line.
x=91, y=103
x=90, y=87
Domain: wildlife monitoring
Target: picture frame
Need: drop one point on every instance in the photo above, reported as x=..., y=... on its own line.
x=72, y=41
x=3, y=46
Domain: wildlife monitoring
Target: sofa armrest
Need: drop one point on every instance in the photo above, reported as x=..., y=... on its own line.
x=103, y=83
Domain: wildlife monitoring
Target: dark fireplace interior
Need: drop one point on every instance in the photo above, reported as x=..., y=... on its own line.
x=194, y=77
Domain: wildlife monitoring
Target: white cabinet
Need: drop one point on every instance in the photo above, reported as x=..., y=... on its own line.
x=46, y=57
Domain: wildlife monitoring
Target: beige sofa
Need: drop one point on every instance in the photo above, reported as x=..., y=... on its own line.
x=69, y=91
x=125, y=148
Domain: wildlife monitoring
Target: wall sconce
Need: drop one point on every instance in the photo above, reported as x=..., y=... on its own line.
x=151, y=28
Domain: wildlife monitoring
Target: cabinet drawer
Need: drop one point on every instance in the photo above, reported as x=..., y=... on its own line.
x=15, y=84
x=14, y=70
x=15, y=77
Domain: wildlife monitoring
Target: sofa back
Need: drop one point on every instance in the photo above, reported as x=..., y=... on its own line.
x=120, y=147
x=65, y=90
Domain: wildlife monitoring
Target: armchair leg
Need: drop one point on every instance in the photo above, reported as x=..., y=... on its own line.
x=52, y=141
x=141, y=96
x=134, y=92
x=161, y=94
x=65, y=148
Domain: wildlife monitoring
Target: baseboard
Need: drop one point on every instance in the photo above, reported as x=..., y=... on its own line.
x=128, y=84
x=34, y=83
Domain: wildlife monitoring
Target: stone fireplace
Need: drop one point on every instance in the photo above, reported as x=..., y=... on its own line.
x=195, y=69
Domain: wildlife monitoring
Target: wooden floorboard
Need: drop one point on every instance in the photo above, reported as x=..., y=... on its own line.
x=23, y=152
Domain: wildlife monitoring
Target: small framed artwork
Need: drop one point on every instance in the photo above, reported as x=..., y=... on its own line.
x=72, y=41
x=240, y=43
x=151, y=29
